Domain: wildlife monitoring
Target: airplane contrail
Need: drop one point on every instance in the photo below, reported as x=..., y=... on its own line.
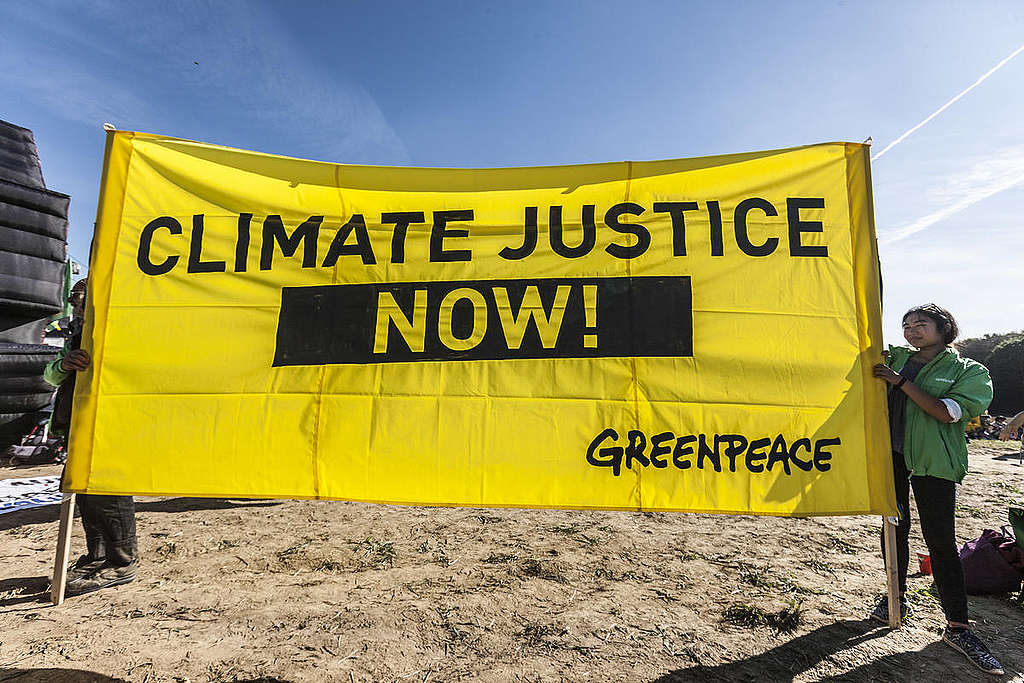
x=947, y=104
x=931, y=219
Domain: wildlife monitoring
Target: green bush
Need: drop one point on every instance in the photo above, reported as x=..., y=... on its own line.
x=1006, y=365
x=980, y=348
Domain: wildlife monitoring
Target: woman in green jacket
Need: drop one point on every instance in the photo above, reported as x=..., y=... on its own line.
x=933, y=392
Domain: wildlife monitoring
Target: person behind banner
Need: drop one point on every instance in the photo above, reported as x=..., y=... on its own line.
x=109, y=521
x=930, y=454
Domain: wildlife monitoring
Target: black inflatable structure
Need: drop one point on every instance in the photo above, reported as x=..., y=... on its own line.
x=33, y=253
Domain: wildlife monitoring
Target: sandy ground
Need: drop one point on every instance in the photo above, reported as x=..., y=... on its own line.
x=311, y=591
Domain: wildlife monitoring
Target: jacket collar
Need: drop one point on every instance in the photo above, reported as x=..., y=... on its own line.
x=907, y=352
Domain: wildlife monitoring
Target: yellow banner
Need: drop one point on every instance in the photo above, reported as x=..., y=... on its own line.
x=692, y=335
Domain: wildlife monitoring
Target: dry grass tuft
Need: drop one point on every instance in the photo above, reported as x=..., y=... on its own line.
x=786, y=620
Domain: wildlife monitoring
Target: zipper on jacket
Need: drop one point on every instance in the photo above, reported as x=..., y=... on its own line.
x=922, y=374
x=949, y=454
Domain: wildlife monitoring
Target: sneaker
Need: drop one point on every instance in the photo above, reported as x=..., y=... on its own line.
x=965, y=642
x=82, y=567
x=106, y=576
x=881, y=610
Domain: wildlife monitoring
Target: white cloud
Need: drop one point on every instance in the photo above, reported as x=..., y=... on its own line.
x=960, y=191
x=96, y=62
x=971, y=273
x=73, y=93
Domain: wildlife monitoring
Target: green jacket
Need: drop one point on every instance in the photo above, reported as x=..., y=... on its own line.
x=939, y=449
x=52, y=372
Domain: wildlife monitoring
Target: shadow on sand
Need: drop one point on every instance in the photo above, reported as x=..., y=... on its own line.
x=50, y=513
x=1019, y=457
x=797, y=656
x=24, y=589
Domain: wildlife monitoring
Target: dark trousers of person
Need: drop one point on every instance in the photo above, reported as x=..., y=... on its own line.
x=109, y=523
x=936, y=506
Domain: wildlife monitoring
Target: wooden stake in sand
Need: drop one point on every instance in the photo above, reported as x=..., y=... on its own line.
x=60, y=563
x=892, y=571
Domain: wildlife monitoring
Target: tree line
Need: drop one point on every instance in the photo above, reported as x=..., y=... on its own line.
x=1003, y=354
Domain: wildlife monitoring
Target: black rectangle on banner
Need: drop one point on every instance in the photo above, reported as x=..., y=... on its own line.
x=485, y=320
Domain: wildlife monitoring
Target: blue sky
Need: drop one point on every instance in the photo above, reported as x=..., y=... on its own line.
x=530, y=83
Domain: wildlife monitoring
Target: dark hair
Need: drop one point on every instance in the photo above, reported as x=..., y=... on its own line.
x=943, y=320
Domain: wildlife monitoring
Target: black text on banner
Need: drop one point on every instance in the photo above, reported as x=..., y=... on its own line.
x=485, y=320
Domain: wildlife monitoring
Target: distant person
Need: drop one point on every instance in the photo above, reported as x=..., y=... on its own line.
x=930, y=454
x=1013, y=429
x=1010, y=431
x=109, y=521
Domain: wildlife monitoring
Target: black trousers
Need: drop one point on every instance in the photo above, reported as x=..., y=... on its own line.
x=936, y=506
x=109, y=523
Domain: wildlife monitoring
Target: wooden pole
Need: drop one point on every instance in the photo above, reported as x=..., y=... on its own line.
x=60, y=563
x=892, y=571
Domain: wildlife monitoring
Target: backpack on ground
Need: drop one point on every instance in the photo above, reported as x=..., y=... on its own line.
x=993, y=563
x=37, y=448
